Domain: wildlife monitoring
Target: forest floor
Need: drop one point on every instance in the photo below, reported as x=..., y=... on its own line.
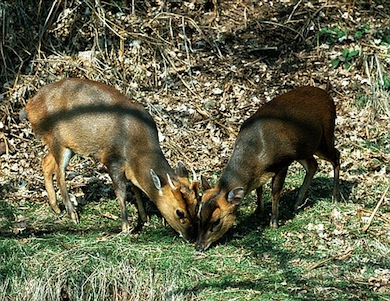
x=201, y=69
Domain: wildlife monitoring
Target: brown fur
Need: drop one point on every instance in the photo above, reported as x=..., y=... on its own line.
x=93, y=119
x=292, y=127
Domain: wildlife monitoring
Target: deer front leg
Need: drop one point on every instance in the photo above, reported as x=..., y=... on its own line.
x=277, y=185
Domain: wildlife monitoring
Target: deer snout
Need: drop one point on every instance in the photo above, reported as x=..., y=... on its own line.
x=199, y=247
x=202, y=245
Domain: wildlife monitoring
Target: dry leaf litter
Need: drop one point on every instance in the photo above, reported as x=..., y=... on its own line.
x=202, y=70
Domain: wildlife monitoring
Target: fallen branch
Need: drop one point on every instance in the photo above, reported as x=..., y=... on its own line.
x=207, y=115
x=110, y=216
x=382, y=216
x=342, y=256
x=365, y=228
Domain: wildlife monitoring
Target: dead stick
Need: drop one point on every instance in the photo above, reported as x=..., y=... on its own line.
x=365, y=228
x=207, y=115
x=338, y=256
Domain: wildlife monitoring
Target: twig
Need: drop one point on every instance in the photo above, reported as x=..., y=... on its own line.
x=165, y=15
x=365, y=228
x=98, y=11
x=174, y=146
x=282, y=25
x=185, y=40
x=382, y=217
x=376, y=48
x=177, y=72
x=207, y=115
x=303, y=204
x=294, y=9
x=338, y=256
x=379, y=69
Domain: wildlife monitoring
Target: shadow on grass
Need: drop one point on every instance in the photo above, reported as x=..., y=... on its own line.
x=320, y=188
x=50, y=229
x=280, y=275
x=15, y=226
x=288, y=285
x=20, y=219
x=6, y=214
x=20, y=222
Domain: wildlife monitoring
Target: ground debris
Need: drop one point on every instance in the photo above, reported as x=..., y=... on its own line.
x=201, y=71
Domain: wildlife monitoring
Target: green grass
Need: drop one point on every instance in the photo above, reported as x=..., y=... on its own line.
x=318, y=254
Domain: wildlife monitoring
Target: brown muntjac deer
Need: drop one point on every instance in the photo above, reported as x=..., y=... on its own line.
x=292, y=127
x=79, y=116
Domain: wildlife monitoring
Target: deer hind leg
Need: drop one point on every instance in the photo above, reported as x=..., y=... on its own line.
x=310, y=165
x=336, y=168
x=63, y=157
x=277, y=185
x=332, y=155
x=119, y=182
x=49, y=166
x=260, y=202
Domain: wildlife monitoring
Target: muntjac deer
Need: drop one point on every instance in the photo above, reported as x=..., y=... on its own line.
x=78, y=116
x=293, y=126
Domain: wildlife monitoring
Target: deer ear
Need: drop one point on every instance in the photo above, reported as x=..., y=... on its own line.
x=236, y=195
x=181, y=170
x=205, y=184
x=195, y=186
x=156, y=179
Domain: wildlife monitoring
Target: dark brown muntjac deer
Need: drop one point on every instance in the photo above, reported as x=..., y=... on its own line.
x=292, y=127
x=78, y=116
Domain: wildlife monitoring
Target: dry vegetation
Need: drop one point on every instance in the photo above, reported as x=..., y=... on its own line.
x=201, y=70
x=201, y=67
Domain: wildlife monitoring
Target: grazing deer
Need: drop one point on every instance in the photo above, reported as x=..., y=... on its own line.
x=292, y=127
x=79, y=116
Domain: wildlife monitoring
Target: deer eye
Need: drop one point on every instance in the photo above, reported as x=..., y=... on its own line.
x=215, y=224
x=180, y=214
